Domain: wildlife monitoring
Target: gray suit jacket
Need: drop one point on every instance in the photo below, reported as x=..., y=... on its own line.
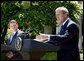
x=18, y=32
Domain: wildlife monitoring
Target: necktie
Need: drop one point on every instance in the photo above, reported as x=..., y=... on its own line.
x=63, y=28
x=13, y=35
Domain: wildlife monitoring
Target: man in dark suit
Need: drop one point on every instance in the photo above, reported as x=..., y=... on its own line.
x=67, y=37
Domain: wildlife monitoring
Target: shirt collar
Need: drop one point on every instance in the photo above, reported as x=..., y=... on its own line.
x=65, y=21
x=15, y=31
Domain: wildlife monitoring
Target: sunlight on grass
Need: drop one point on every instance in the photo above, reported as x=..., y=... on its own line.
x=50, y=56
x=53, y=56
x=81, y=56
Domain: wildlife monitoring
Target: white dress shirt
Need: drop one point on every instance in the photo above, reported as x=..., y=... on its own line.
x=11, y=36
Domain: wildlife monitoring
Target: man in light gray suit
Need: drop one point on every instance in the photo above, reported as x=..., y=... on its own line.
x=10, y=40
x=13, y=26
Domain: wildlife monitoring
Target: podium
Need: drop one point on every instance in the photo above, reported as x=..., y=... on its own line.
x=31, y=49
x=35, y=50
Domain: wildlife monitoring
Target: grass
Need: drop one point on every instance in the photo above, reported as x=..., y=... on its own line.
x=50, y=56
x=53, y=56
x=81, y=55
x=47, y=56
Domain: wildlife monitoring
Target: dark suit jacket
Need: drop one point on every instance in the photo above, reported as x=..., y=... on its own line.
x=68, y=41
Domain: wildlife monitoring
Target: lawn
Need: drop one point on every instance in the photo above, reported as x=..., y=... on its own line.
x=53, y=56
x=47, y=56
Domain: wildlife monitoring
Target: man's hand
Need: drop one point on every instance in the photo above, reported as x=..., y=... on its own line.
x=41, y=37
x=9, y=54
x=44, y=36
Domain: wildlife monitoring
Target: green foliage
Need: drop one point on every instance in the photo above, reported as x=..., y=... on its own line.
x=35, y=16
x=8, y=11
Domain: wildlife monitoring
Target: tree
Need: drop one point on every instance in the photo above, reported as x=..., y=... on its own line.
x=35, y=14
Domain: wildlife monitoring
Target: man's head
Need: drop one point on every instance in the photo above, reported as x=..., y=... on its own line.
x=13, y=25
x=61, y=14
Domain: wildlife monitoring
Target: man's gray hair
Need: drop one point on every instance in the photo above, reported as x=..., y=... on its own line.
x=63, y=9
